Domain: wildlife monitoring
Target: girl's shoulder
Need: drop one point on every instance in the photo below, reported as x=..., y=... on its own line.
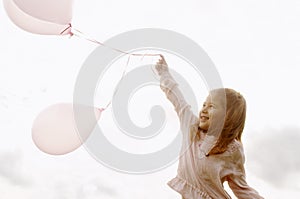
x=235, y=146
x=234, y=155
x=235, y=149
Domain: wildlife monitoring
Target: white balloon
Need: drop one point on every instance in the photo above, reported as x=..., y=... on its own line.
x=55, y=131
x=46, y=17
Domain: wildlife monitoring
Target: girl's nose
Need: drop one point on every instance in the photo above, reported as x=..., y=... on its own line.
x=204, y=110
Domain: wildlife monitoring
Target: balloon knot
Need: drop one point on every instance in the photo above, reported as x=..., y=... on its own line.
x=101, y=109
x=68, y=30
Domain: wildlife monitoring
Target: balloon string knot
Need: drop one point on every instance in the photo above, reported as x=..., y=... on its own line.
x=68, y=30
x=101, y=109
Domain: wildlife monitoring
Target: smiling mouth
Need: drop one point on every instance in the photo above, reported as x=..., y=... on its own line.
x=204, y=118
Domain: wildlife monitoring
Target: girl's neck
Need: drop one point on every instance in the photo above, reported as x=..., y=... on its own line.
x=202, y=133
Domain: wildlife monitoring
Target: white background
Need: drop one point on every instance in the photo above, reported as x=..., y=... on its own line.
x=254, y=45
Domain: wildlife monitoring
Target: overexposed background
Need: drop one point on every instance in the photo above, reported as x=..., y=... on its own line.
x=254, y=45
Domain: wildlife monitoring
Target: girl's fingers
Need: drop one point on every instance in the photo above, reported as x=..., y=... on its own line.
x=159, y=62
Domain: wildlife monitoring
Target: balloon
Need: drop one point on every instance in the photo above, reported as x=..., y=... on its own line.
x=55, y=131
x=46, y=17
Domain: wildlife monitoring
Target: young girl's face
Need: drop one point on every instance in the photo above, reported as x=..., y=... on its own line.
x=212, y=107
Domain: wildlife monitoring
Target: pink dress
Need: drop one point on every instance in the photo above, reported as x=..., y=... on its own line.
x=200, y=176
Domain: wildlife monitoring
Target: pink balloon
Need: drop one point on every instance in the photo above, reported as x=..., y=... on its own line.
x=47, y=17
x=55, y=132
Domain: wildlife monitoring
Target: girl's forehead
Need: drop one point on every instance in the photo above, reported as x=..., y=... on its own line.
x=208, y=99
x=216, y=97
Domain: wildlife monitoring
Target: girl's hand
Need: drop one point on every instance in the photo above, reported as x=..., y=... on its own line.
x=161, y=66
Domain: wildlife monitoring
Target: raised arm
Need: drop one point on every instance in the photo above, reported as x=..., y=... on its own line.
x=170, y=87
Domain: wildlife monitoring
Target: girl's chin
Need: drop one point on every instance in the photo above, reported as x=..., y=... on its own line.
x=203, y=127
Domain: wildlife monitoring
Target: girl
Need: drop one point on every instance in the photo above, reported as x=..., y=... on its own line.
x=212, y=151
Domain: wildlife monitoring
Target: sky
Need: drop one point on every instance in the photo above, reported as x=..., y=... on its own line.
x=253, y=44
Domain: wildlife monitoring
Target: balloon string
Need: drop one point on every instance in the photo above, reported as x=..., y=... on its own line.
x=82, y=35
x=119, y=83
